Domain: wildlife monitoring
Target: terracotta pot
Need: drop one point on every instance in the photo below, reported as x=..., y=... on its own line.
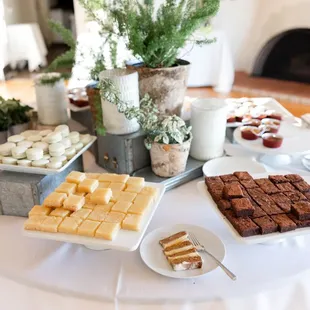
x=166, y=86
x=17, y=129
x=168, y=160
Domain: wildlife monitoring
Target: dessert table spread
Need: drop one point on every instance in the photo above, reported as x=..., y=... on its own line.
x=44, y=274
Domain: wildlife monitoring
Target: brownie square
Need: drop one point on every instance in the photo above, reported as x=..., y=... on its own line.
x=248, y=184
x=277, y=179
x=244, y=225
x=232, y=191
x=267, y=186
x=282, y=201
x=243, y=175
x=301, y=210
x=255, y=192
x=271, y=209
x=227, y=178
x=216, y=194
x=307, y=194
x=258, y=212
x=224, y=204
x=210, y=180
x=284, y=222
x=293, y=178
x=285, y=187
x=300, y=224
x=302, y=186
x=242, y=207
x=295, y=196
x=266, y=224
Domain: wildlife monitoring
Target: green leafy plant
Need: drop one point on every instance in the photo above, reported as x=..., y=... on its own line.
x=155, y=37
x=158, y=127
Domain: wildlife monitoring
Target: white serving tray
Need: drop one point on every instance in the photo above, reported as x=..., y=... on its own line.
x=126, y=240
x=253, y=239
x=47, y=171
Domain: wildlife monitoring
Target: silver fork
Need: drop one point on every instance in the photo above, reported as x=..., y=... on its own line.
x=200, y=248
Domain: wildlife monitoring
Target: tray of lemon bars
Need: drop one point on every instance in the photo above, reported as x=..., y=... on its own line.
x=100, y=211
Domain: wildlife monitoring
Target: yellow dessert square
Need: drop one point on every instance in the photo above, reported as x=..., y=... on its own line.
x=39, y=210
x=132, y=222
x=121, y=206
x=135, y=181
x=74, y=202
x=114, y=217
x=89, y=206
x=88, y=228
x=34, y=222
x=115, y=196
x=104, y=184
x=149, y=191
x=88, y=186
x=143, y=199
x=117, y=186
x=138, y=208
x=107, y=231
x=106, y=207
x=110, y=177
x=69, y=225
x=133, y=188
x=101, y=196
x=81, y=214
x=80, y=194
x=67, y=188
x=94, y=176
x=87, y=198
x=97, y=215
x=126, y=196
x=51, y=223
x=61, y=212
x=75, y=177
x=54, y=200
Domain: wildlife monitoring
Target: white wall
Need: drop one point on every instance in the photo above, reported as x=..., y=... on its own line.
x=20, y=11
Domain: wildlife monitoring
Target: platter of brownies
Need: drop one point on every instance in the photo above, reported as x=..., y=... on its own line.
x=260, y=208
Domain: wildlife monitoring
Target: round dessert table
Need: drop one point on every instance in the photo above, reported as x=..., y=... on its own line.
x=44, y=275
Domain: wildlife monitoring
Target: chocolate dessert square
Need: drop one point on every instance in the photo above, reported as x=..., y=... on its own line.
x=302, y=186
x=216, y=194
x=299, y=223
x=210, y=180
x=243, y=175
x=285, y=187
x=267, y=186
x=255, y=192
x=244, y=226
x=266, y=224
x=227, y=178
x=224, y=204
x=260, y=198
x=295, y=196
x=242, y=207
x=284, y=222
x=245, y=193
x=271, y=209
x=301, y=210
x=248, y=184
x=307, y=195
x=282, y=201
x=293, y=178
x=232, y=191
x=277, y=179
x=258, y=211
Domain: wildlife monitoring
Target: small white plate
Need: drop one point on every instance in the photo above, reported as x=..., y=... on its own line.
x=226, y=165
x=153, y=256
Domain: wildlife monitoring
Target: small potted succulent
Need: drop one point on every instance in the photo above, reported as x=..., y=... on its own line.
x=167, y=137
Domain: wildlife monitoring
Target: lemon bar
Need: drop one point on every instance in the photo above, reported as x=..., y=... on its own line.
x=138, y=208
x=54, y=200
x=39, y=210
x=126, y=196
x=80, y=194
x=74, y=202
x=132, y=222
x=106, y=207
x=104, y=184
x=34, y=222
x=87, y=198
x=149, y=191
x=88, y=186
x=118, y=186
x=115, y=195
x=51, y=223
x=94, y=176
x=135, y=181
x=107, y=231
x=133, y=188
x=121, y=206
x=69, y=225
x=67, y=188
x=61, y=212
x=75, y=177
x=115, y=217
x=88, y=228
x=97, y=215
x=147, y=200
x=110, y=177
x=101, y=196
x=82, y=213
x=89, y=205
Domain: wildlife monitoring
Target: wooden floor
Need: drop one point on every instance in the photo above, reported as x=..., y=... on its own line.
x=23, y=89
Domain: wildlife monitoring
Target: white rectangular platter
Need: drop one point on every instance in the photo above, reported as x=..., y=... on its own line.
x=269, y=103
x=125, y=240
x=47, y=171
x=253, y=239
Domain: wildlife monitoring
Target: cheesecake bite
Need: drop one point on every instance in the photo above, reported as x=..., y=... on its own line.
x=135, y=181
x=132, y=222
x=34, y=222
x=69, y=225
x=88, y=186
x=107, y=231
x=133, y=188
x=121, y=206
x=67, y=188
x=51, y=223
x=101, y=196
x=60, y=212
x=88, y=228
x=117, y=186
x=126, y=196
x=39, y=210
x=74, y=203
x=115, y=217
x=149, y=191
x=75, y=177
x=81, y=214
x=143, y=199
x=106, y=207
x=138, y=208
x=54, y=200
x=97, y=215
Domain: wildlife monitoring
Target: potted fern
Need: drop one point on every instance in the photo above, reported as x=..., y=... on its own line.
x=155, y=38
x=167, y=137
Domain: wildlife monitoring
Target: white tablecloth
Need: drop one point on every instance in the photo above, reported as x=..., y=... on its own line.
x=25, y=42
x=41, y=274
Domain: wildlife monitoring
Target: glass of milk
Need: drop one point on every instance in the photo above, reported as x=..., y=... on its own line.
x=208, y=119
